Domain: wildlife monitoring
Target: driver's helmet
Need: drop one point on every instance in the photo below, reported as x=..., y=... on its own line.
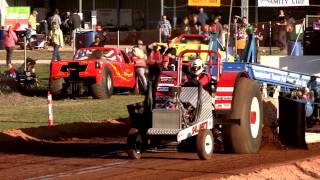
x=197, y=66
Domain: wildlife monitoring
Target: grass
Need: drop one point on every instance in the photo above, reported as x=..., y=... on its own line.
x=18, y=111
x=37, y=54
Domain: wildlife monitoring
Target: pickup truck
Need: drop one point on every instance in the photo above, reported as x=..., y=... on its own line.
x=94, y=71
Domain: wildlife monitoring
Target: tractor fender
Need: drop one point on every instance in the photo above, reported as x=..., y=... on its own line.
x=225, y=88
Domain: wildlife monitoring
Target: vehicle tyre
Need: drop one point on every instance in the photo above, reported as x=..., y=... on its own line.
x=205, y=144
x=56, y=88
x=247, y=106
x=134, y=143
x=103, y=89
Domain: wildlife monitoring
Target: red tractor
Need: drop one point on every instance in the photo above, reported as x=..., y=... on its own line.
x=175, y=110
x=93, y=71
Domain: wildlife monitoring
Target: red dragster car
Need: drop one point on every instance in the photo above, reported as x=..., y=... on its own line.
x=93, y=71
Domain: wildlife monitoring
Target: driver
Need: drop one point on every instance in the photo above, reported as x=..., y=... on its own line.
x=198, y=75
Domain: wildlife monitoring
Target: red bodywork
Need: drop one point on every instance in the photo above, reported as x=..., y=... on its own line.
x=121, y=67
x=225, y=81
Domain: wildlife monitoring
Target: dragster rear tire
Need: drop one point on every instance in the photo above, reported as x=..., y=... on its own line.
x=247, y=106
x=205, y=145
x=104, y=89
x=134, y=143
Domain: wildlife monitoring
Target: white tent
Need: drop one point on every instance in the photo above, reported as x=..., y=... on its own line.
x=3, y=6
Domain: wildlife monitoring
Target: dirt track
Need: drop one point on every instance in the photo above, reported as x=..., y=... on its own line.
x=99, y=154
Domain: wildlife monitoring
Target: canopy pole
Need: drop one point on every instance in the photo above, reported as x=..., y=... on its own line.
x=229, y=26
x=80, y=6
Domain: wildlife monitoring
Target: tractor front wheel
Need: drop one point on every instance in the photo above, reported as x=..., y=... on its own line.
x=205, y=144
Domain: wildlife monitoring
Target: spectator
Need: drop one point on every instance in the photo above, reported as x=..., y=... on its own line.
x=186, y=26
x=219, y=28
x=205, y=30
x=104, y=38
x=195, y=25
x=56, y=37
x=242, y=41
x=233, y=35
x=97, y=42
x=171, y=52
x=259, y=37
x=282, y=24
x=203, y=17
x=10, y=39
x=291, y=24
x=140, y=45
x=140, y=64
x=32, y=21
x=66, y=24
x=155, y=61
x=56, y=17
x=165, y=29
x=76, y=21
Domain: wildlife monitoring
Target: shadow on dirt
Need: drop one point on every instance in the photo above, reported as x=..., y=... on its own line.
x=69, y=140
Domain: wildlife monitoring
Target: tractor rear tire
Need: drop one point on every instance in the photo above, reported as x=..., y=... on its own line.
x=205, y=144
x=56, y=88
x=104, y=89
x=247, y=106
x=134, y=143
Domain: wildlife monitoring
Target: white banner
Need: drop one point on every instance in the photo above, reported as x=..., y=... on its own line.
x=282, y=3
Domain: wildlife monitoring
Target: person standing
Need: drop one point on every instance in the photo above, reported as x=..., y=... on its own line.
x=233, y=36
x=75, y=25
x=165, y=29
x=282, y=24
x=186, y=26
x=56, y=37
x=97, y=42
x=219, y=28
x=195, y=25
x=203, y=17
x=242, y=41
x=140, y=63
x=32, y=22
x=76, y=21
x=56, y=17
x=171, y=52
x=10, y=39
